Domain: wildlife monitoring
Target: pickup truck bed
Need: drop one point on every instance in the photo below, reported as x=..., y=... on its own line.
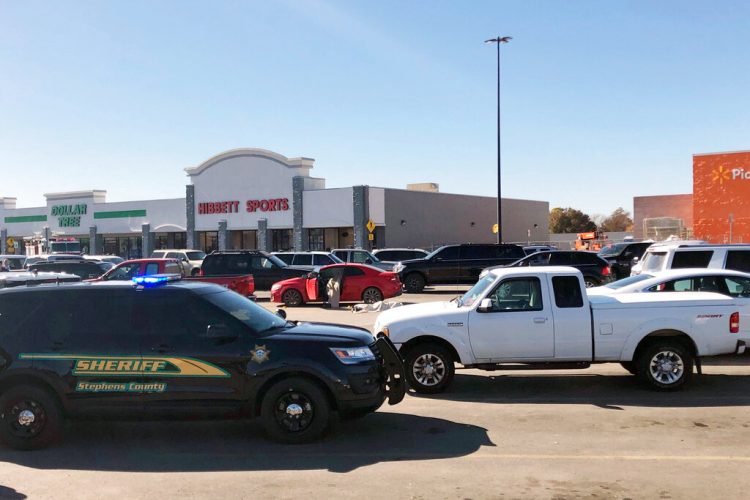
x=541, y=317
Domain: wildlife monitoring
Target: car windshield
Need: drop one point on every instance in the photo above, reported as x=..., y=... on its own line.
x=477, y=290
x=245, y=310
x=433, y=253
x=611, y=250
x=654, y=261
x=616, y=285
x=276, y=261
x=335, y=259
x=195, y=255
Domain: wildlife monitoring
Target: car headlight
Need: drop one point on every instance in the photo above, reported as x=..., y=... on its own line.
x=351, y=355
x=275, y=287
x=398, y=267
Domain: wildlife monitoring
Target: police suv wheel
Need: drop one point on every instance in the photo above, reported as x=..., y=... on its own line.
x=665, y=366
x=371, y=295
x=414, y=283
x=30, y=418
x=295, y=410
x=291, y=298
x=429, y=368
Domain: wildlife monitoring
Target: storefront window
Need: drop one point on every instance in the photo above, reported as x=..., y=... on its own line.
x=180, y=240
x=243, y=240
x=316, y=239
x=208, y=241
x=161, y=241
x=281, y=240
x=127, y=247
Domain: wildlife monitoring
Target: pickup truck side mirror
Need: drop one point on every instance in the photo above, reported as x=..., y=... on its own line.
x=220, y=331
x=485, y=306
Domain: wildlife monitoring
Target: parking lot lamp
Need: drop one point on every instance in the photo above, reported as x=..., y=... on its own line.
x=499, y=40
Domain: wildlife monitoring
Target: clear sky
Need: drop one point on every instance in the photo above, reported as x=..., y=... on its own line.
x=602, y=100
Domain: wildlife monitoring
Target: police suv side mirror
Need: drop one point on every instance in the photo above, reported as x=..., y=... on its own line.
x=485, y=306
x=281, y=313
x=220, y=331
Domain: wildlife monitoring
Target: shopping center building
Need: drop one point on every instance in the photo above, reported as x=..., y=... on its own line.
x=717, y=211
x=254, y=198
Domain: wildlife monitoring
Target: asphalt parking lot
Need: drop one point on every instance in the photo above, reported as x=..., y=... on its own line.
x=580, y=434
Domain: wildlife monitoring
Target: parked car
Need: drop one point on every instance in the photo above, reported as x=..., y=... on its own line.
x=393, y=255
x=191, y=260
x=266, y=269
x=622, y=255
x=177, y=349
x=16, y=261
x=85, y=269
x=244, y=285
x=20, y=278
x=541, y=318
x=595, y=270
x=679, y=255
x=359, y=283
x=359, y=256
x=308, y=260
x=455, y=264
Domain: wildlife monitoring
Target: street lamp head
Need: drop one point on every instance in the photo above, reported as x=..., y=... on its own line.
x=504, y=39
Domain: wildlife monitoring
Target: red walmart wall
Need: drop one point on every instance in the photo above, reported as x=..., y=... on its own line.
x=721, y=186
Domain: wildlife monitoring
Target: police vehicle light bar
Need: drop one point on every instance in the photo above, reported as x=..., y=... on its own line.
x=155, y=279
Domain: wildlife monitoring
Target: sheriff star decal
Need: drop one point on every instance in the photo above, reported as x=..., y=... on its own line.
x=260, y=354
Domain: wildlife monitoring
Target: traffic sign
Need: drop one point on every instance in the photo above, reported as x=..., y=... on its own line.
x=370, y=225
x=495, y=228
x=371, y=237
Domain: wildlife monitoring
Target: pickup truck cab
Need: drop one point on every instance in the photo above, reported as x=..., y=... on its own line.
x=541, y=317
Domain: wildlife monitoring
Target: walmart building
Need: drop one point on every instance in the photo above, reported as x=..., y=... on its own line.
x=258, y=199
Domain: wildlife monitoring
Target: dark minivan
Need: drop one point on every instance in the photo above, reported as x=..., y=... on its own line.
x=455, y=264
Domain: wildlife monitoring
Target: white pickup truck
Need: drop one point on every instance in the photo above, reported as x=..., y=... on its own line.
x=541, y=317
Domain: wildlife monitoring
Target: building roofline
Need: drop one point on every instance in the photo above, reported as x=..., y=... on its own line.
x=256, y=152
x=722, y=153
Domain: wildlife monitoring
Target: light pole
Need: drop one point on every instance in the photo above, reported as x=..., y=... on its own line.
x=498, y=41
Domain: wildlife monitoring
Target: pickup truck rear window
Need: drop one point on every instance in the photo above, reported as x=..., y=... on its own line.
x=567, y=291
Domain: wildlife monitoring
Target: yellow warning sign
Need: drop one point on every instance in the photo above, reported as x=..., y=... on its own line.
x=495, y=228
x=371, y=237
x=370, y=225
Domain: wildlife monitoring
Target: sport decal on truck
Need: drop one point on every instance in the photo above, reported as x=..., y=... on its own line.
x=134, y=365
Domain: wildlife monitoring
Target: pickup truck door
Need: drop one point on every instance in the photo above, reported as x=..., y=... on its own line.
x=517, y=326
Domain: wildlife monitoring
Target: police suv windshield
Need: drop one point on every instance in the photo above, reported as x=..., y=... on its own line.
x=245, y=310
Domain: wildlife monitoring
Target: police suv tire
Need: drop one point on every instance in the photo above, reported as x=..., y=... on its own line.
x=438, y=358
x=46, y=413
x=414, y=283
x=285, y=398
x=371, y=295
x=672, y=351
x=291, y=298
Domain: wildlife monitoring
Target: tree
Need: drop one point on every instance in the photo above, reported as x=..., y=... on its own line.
x=618, y=221
x=569, y=220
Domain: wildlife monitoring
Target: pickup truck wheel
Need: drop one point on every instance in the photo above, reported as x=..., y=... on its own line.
x=414, y=283
x=371, y=295
x=429, y=368
x=665, y=366
x=30, y=418
x=295, y=410
x=291, y=298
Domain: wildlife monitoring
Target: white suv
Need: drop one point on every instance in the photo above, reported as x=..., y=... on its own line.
x=191, y=260
x=678, y=255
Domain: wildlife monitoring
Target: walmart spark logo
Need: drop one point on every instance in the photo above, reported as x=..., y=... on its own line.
x=721, y=174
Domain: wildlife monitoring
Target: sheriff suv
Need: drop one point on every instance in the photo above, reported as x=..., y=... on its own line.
x=158, y=348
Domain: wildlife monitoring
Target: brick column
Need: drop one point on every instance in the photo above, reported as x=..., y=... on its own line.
x=93, y=242
x=263, y=236
x=222, y=237
x=147, y=244
x=4, y=243
x=360, y=202
x=192, y=240
x=300, y=239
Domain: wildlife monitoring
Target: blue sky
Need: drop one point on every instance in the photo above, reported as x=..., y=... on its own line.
x=602, y=100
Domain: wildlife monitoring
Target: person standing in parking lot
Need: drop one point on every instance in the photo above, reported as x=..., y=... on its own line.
x=5, y=266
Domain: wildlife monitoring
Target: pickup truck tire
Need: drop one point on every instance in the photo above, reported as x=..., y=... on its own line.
x=414, y=283
x=371, y=295
x=30, y=418
x=291, y=298
x=429, y=368
x=665, y=365
x=295, y=410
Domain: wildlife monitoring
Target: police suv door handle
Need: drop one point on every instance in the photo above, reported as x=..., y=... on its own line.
x=162, y=349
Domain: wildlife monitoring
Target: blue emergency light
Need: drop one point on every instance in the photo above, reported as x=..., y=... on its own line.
x=154, y=279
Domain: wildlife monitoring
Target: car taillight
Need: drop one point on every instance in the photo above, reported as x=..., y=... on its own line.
x=734, y=323
x=605, y=271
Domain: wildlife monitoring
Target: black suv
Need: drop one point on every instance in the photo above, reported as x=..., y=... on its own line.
x=179, y=350
x=266, y=268
x=85, y=269
x=595, y=270
x=454, y=264
x=620, y=256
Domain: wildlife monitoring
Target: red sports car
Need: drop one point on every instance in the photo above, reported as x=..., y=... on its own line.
x=359, y=283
